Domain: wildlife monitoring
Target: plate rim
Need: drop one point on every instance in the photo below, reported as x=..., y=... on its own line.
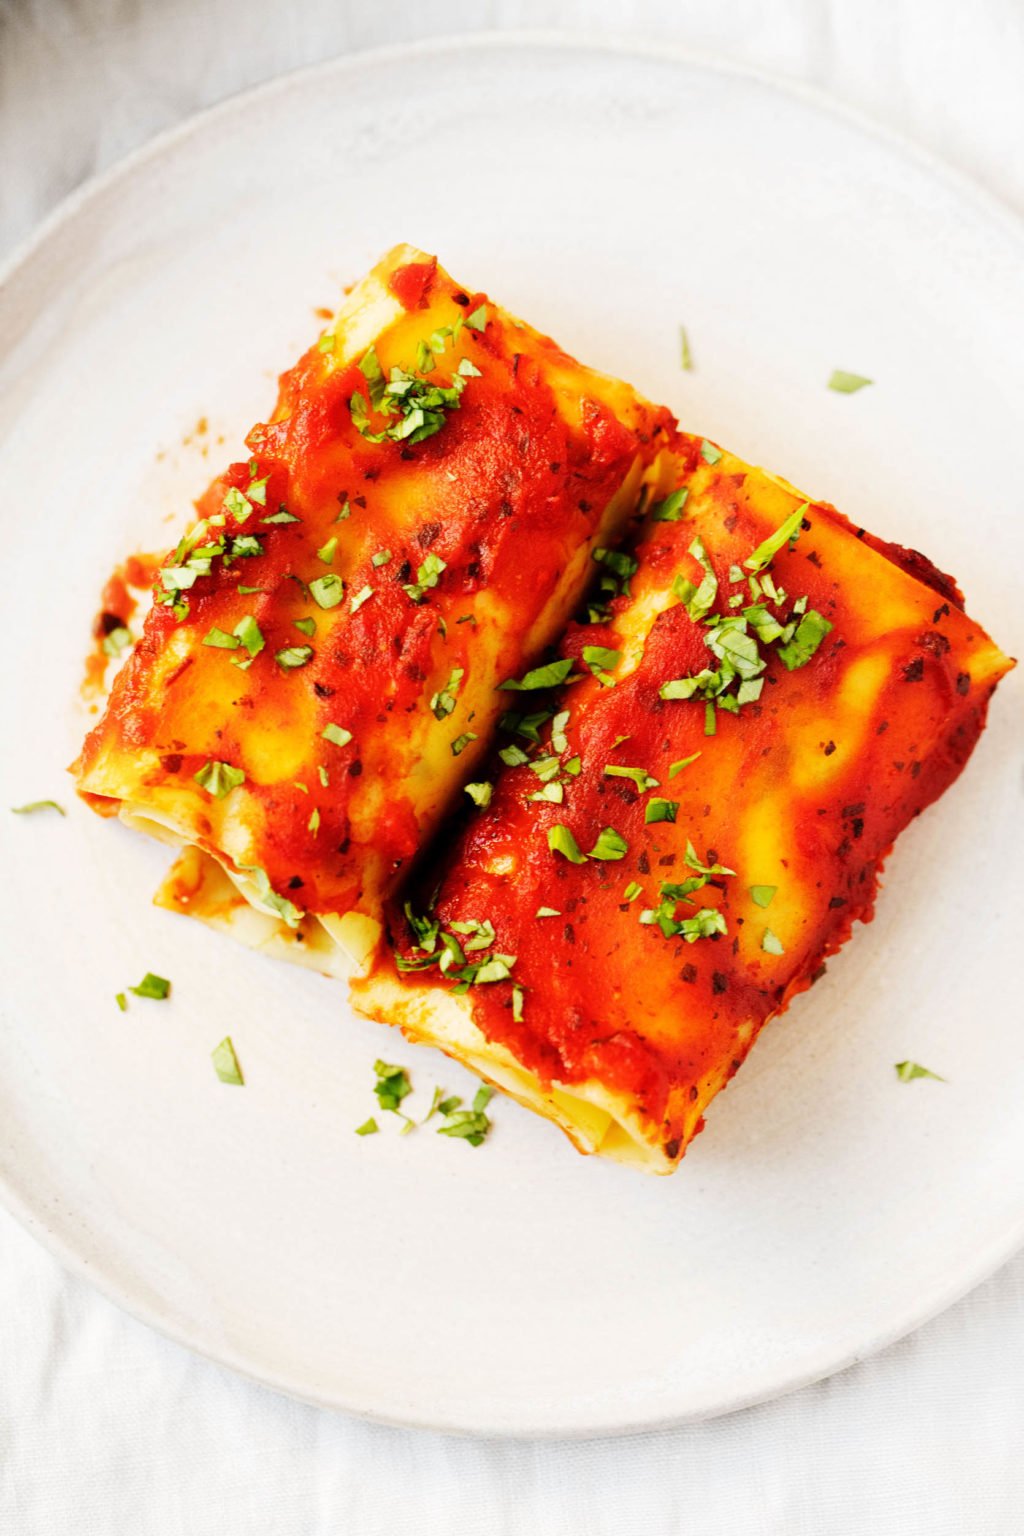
x=961, y=185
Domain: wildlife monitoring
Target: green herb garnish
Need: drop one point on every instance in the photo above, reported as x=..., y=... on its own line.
x=225, y=1063
x=561, y=840
x=38, y=805
x=327, y=591
x=294, y=656
x=765, y=552
x=610, y=845
x=336, y=734
x=392, y=1085
x=640, y=777
x=443, y=701
x=906, y=1071
x=810, y=632
x=480, y=793
x=660, y=810
x=598, y=658
x=847, y=383
x=540, y=677
x=218, y=779
x=426, y=578
x=156, y=987
x=670, y=510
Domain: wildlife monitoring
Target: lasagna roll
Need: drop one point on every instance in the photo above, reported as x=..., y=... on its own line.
x=318, y=675
x=672, y=843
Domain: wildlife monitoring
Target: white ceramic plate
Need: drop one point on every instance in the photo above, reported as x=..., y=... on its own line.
x=608, y=195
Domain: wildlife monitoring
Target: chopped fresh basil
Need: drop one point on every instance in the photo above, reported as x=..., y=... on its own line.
x=443, y=701
x=561, y=840
x=480, y=793
x=685, y=355
x=513, y=756
x=286, y=910
x=373, y=373
x=847, y=383
x=336, y=734
x=38, y=805
x=305, y=626
x=906, y=1071
x=121, y=1001
x=313, y=824
x=426, y=578
x=540, y=677
x=245, y=546
x=691, y=860
x=225, y=1063
x=460, y=743
x=771, y=944
x=765, y=552
x=368, y=1128
x=325, y=554
x=282, y=515
x=327, y=591
x=709, y=453
x=467, y=1125
x=670, y=509
x=554, y=794
x=294, y=656
x=392, y=1085
x=381, y=558
x=710, y=720
x=681, y=763
x=641, y=778
x=698, y=600
x=761, y=895
x=477, y=321
x=221, y=640
x=345, y=509
x=248, y=633
x=117, y=641
x=360, y=598
x=660, y=810
x=598, y=658
x=550, y=911
x=632, y=891
x=610, y=845
x=157, y=987
x=218, y=779
x=810, y=632
x=237, y=504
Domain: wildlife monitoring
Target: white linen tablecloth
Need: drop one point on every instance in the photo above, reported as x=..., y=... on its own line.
x=107, y=1428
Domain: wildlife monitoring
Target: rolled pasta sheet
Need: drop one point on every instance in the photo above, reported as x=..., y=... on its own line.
x=317, y=677
x=764, y=698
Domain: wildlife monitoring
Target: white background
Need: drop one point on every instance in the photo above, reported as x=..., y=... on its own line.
x=106, y=1428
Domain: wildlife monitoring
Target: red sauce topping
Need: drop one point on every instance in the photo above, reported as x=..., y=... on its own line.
x=411, y=284
x=606, y=997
